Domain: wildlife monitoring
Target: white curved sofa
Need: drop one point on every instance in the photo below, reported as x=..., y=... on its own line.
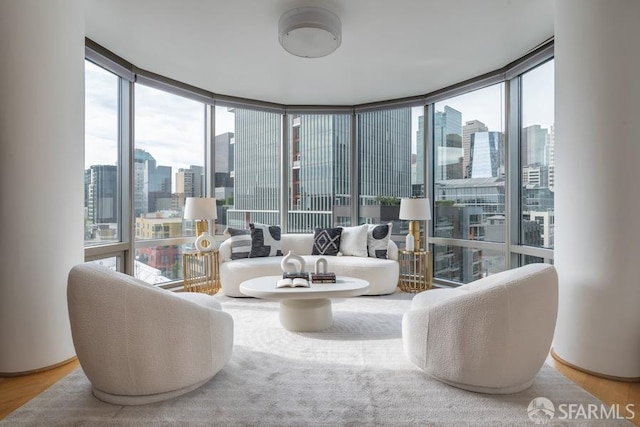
x=382, y=274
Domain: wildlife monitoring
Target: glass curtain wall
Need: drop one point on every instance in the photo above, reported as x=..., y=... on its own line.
x=385, y=150
x=253, y=142
x=168, y=167
x=319, y=151
x=469, y=183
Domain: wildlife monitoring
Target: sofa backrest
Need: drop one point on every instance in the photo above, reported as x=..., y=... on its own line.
x=300, y=243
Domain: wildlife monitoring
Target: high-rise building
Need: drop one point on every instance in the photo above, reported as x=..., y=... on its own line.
x=385, y=154
x=152, y=184
x=257, y=168
x=189, y=182
x=103, y=194
x=486, y=157
x=319, y=166
x=469, y=128
x=534, y=141
x=447, y=139
x=551, y=147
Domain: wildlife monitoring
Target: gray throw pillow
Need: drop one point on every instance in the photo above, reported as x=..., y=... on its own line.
x=265, y=240
x=326, y=241
x=240, y=242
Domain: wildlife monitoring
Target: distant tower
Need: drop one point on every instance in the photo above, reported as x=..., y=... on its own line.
x=151, y=182
x=103, y=194
x=447, y=139
x=470, y=127
x=534, y=142
x=486, y=155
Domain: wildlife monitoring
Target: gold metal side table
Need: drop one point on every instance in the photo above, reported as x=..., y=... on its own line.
x=201, y=272
x=415, y=271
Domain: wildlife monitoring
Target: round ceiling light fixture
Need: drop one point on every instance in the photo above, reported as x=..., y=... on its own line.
x=310, y=32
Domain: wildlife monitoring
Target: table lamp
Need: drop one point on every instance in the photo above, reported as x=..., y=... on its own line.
x=415, y=210
x=201, y=210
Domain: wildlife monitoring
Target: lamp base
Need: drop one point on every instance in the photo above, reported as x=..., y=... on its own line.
x=202, y=226
x=414, y=229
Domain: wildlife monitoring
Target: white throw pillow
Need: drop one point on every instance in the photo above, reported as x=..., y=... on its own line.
x=354, y=240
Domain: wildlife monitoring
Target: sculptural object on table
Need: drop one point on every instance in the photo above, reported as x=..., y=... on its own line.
x=292, y=263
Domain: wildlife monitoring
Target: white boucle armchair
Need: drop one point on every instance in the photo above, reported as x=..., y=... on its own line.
x=139, y=344
x=489, y=336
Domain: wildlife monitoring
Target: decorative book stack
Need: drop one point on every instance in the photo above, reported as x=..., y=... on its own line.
x=323, y=277
x=301, y=275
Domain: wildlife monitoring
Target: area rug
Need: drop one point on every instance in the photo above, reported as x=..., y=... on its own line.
x=353, y=374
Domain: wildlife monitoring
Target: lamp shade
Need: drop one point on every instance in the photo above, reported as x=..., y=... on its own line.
x=415, y=209
x=200, y=208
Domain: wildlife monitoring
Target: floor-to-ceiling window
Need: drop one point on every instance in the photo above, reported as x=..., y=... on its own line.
x=385, y=159
x=537, y=163
x=101, y=191
x=103, y=219
x=168, y=167
x=469, y=184
x=224, y=183
x=319, y=157
x=491, y=188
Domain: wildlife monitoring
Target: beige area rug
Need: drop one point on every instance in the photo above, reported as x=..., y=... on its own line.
x=353, y=374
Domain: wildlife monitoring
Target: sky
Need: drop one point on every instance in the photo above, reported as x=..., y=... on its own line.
x=171, y=128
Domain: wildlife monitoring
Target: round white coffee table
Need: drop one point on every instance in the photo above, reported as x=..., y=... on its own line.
x=305, y=309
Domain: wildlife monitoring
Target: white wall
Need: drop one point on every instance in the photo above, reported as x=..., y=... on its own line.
x=41, y=177
x=597, y=251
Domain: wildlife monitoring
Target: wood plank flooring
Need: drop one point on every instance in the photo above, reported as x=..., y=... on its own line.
x=16, y=391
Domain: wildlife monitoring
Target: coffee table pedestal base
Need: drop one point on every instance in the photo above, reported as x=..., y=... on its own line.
x=306, y=315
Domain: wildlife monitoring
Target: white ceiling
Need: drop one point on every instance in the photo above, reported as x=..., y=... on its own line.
x=390, y=48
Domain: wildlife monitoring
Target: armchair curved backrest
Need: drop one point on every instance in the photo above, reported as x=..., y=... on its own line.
x=491, y=335
x=139, y=344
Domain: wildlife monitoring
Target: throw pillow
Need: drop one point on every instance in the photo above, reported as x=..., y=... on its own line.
x=326, y=241
x=265, y=240
x=240, y=242
x=378, y=239
x=353, y=240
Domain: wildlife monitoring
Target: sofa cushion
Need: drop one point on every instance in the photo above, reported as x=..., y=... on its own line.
x=353, y=240
x=378, y=239
x=326, y=241
x=240, y=241
x=265, y=240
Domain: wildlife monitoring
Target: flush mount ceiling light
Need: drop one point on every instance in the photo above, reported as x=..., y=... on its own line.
x=310, y=32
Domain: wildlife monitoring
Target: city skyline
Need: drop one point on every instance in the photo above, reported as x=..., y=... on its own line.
x=101, y=116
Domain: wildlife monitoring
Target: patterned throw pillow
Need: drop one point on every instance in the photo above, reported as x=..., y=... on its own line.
x=265, y=240
x=378, y=239
x=326, y=241
x=240, y=242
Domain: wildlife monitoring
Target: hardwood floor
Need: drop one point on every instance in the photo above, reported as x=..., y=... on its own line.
x=16, y=391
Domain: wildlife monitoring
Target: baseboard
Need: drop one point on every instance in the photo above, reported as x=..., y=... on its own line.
x=35, y=371
x=595, y=374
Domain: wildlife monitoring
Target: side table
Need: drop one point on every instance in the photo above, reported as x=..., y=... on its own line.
x=415, y=270
x=201, y=272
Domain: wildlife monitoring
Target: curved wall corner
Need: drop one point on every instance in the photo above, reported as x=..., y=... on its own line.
x=597, y=197
x=41, y=178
